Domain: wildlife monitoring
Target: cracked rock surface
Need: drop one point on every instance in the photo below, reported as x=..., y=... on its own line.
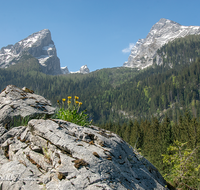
x=55, y=154
x=16, y=103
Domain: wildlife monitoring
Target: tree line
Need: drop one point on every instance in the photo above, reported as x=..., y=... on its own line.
x=152, y=139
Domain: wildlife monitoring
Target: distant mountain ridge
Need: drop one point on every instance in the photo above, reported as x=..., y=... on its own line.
x=164, y=31
x=41, y=46
x=84, y=69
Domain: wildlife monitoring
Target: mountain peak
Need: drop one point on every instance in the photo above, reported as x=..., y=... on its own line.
x=64, y=70
x=84, y=70
x=164, y=20
x=162, y=32
x=40, y=46
x=164, y=23
x=36, y=38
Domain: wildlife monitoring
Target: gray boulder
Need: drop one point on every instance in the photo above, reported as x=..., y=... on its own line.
x=55, y=154
x=16, y=103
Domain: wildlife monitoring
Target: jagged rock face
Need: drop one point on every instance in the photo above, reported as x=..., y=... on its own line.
x=20, y=103
x=162, y=32
x=39, y=45
x=64, y=70
x=84, y=70
x=56, y=154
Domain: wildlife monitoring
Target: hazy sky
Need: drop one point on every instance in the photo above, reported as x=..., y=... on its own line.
x=97, y=33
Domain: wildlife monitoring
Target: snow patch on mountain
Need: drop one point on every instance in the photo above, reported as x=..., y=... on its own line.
x=162, y=32
x=84, y=70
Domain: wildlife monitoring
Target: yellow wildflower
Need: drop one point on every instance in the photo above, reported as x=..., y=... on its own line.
x=68, y=102
x=80, y=103
x=63, y=100
x=77, y=102
x=69, y=97
x=76, y=97
x=58, y=101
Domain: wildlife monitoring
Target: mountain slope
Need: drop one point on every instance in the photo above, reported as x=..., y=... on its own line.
x=164, y=31
x=168, y=88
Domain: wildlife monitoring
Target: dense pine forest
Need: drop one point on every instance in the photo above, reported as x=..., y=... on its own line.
x=152, y=138
x=118, y=94
x=150, y=108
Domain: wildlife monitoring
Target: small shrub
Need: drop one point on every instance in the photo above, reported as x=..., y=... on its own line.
x=47, y=155
x=20, y=121
x=80, y=162
x=184, y=169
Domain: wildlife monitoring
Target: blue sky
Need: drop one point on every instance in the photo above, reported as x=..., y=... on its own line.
x=91, y=32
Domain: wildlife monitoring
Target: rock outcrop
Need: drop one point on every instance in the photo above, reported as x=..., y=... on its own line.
x=55, y=154
x=40, y=46
x=65, y=70
x=162, y=32
x=16, y=104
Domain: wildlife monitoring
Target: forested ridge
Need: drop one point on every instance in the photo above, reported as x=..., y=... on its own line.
x=149, y=109
x=94, y=89
x=122, y=93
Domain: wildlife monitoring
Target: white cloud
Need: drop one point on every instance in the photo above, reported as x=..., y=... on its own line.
x=128, y=49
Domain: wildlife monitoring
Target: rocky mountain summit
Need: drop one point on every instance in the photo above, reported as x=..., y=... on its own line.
x=55, y=154
x=164, y=31
x=84, y=70
x=65, y=70
x=40, y=46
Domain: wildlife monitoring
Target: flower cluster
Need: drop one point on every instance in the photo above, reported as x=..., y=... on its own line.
x=71, y=113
